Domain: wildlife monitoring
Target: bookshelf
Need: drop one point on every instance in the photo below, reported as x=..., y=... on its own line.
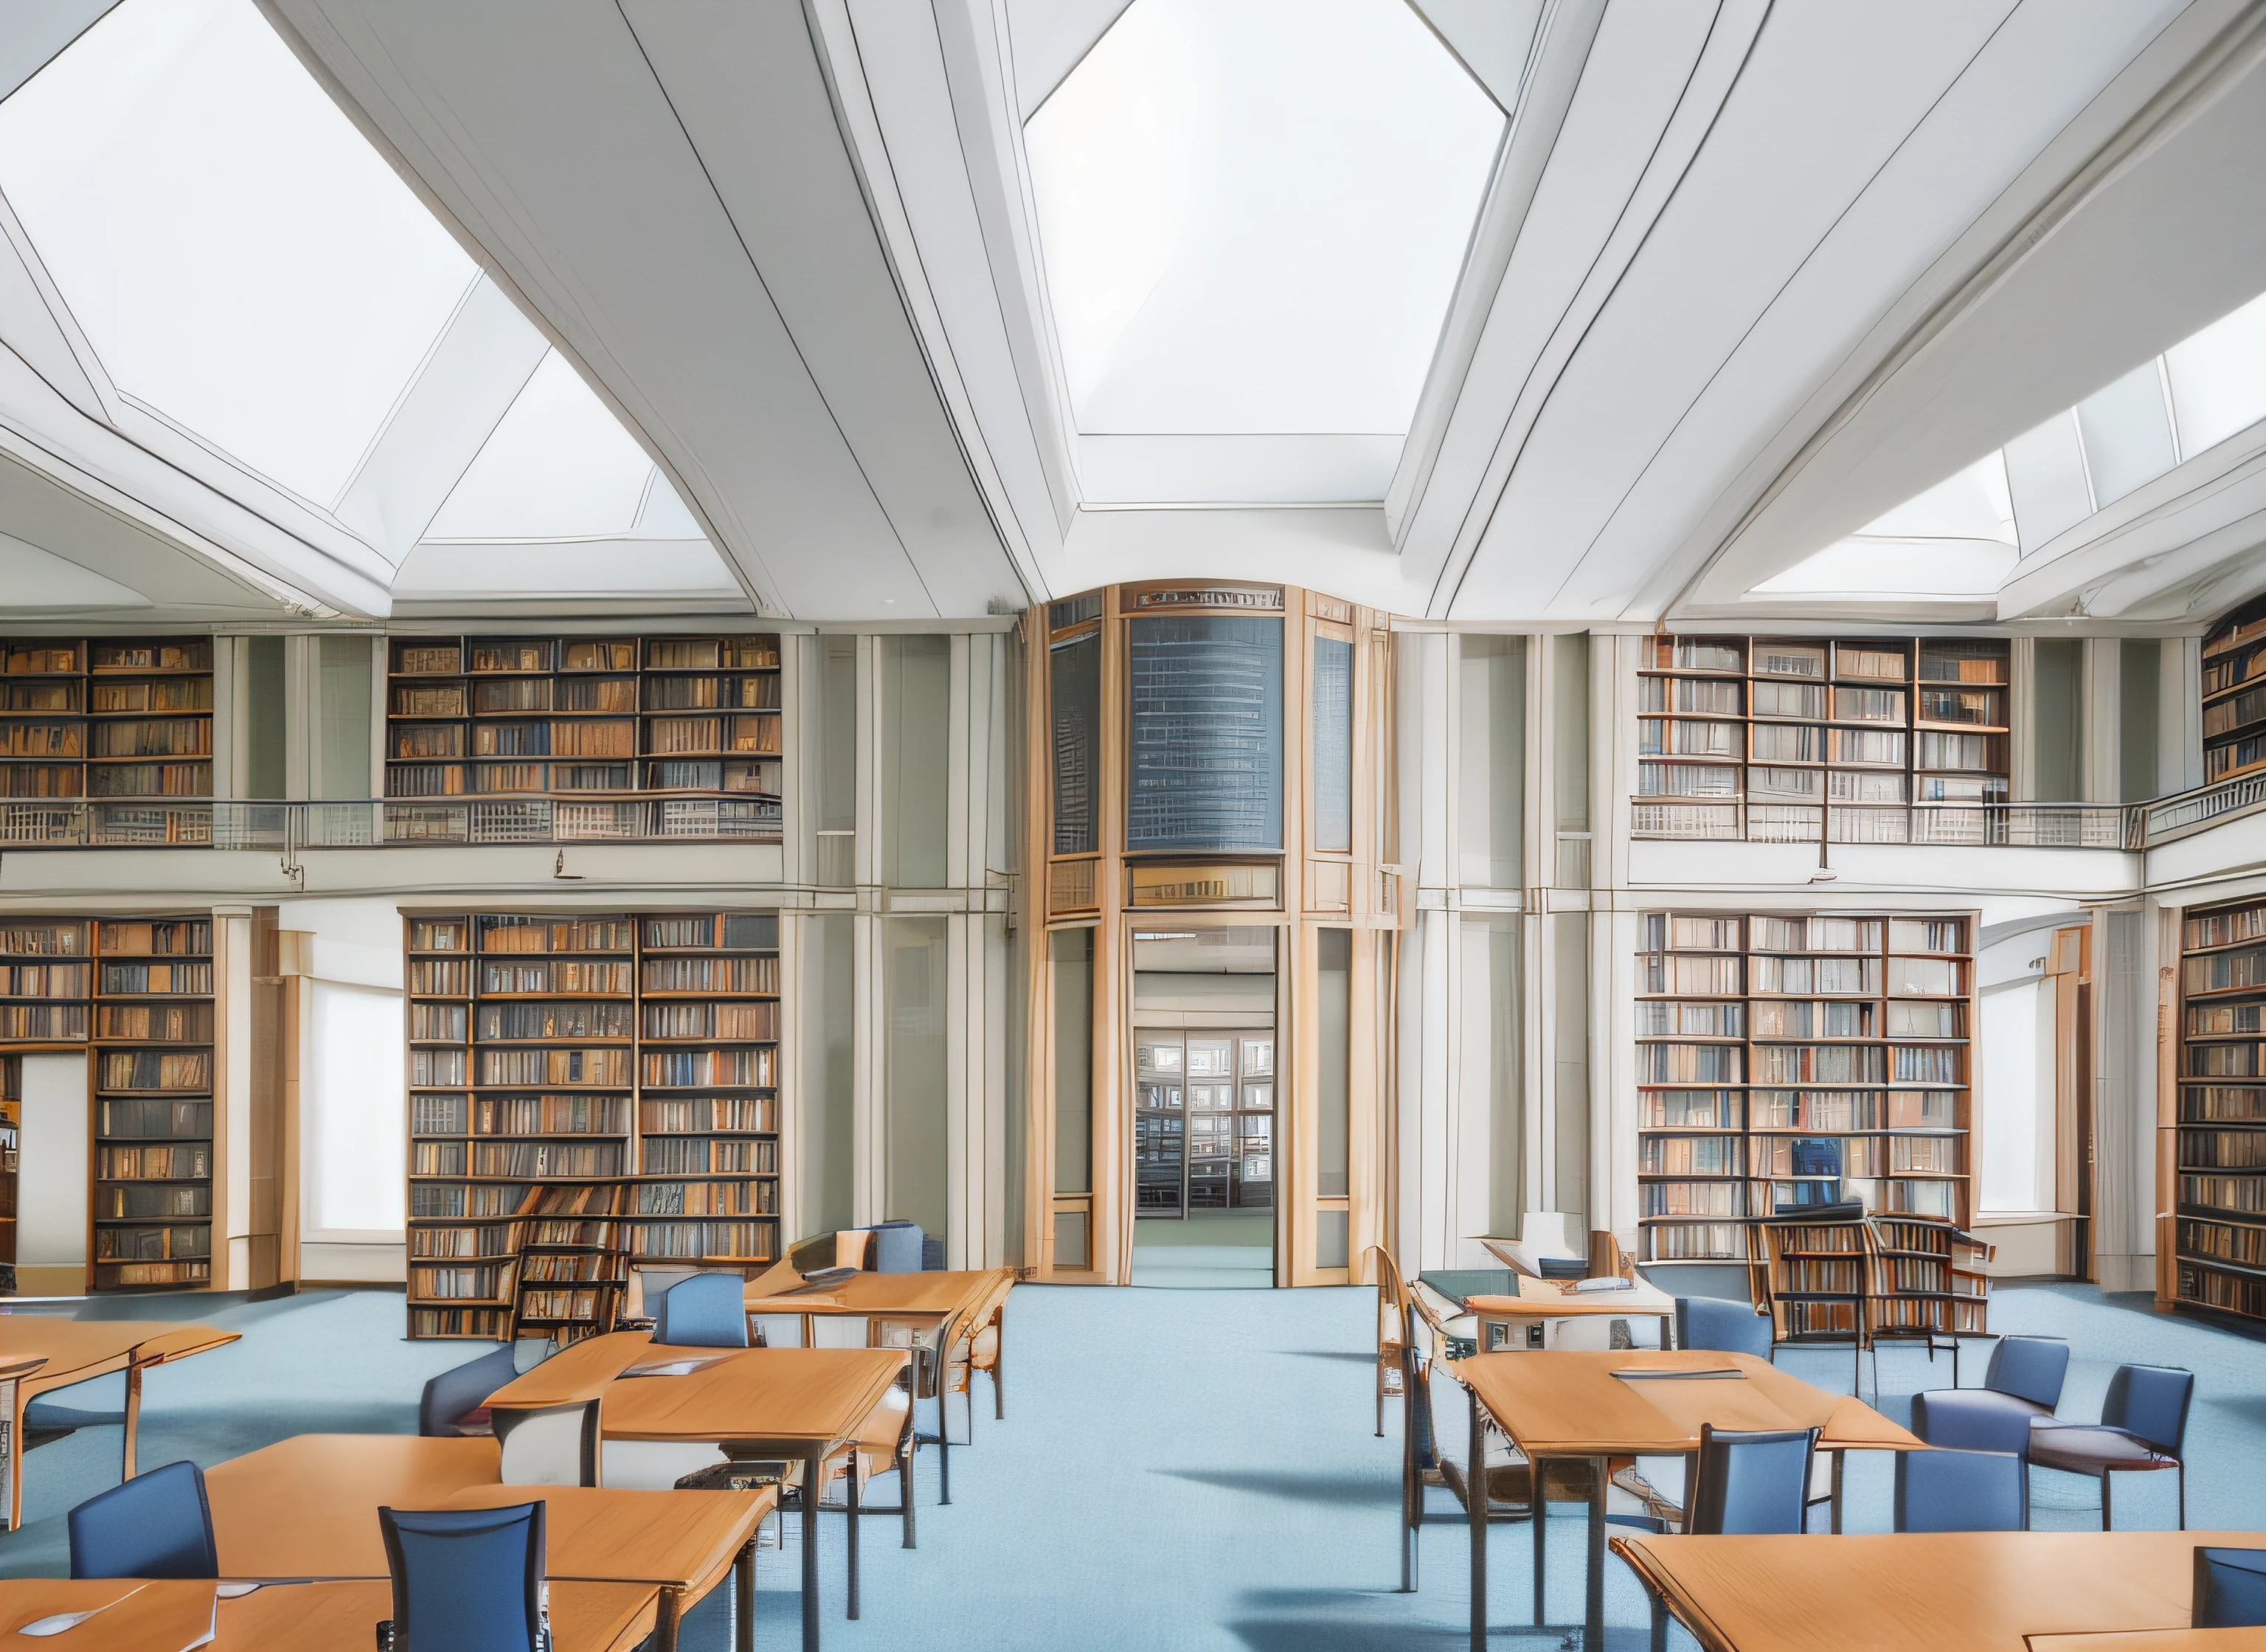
x=585, y=1091
x=117, y=717
x=1788, y=1059
x=1786, y=727
x=2233, y=695
x=1871, y=1279
x=2220, y=1215
x=589, y=718
x=152, y=1059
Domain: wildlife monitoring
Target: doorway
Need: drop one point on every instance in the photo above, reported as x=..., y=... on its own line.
x=1204, y=1072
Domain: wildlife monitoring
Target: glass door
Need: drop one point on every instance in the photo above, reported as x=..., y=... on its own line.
x=1203, y=1121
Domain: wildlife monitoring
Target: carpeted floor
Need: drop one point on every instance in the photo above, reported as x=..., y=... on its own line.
x=1178, y=1469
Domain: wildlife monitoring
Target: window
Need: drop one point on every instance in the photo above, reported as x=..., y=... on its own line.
x=1074, y=668
x=1492, y=775
x=916, y=743
x=1206, y=734
x=352, y=1125
x=1071, y=953
x=915, y=1183
x=1332, y=713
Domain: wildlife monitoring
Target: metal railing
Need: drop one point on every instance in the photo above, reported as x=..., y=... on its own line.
x=283, y=828
x=1994, y=825
x=2167, y=819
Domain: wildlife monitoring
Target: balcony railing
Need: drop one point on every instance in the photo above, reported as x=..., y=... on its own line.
x=1998, y=825
x=283, y=828
x=2167, y=819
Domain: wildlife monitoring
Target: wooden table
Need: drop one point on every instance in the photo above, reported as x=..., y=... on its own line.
x=1575, y=1405
x=308, y=1506
x=953, y=1303
x=2152, y=1641
x=1988, y=1591
x=39, y=1353
x=340, y=1617
x=754, y=1405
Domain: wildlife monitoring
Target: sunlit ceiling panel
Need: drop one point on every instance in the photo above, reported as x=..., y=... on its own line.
x=236, y=253
x=1253, y=213
x=559, y=466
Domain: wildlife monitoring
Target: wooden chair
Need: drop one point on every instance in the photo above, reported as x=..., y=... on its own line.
x=1392, y=1330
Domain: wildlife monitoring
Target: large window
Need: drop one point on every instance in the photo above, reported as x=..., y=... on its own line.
x=1074, y=698
x=1333, y=711
x=1207, y=735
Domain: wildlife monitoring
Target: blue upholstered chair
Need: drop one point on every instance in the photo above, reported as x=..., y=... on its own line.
x=157, y=1524
x=898, y=1247
x=1972, y=1420
x=1962, y=1491
x=2029, y=1369
x=2143, y=1426
x=466, y=1580
x=548, y=1446
x=2230, y=1589
x=1750, y=1485
x=705, y=1310
x=1724, y=1327
x=450, y=1398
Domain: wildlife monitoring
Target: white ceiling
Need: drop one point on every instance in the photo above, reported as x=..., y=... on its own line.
x=1742, y=282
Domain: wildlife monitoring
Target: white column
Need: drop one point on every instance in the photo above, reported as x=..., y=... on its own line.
x=52, y=1185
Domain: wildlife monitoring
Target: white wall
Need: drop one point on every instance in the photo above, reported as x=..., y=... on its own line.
x=51, y=1183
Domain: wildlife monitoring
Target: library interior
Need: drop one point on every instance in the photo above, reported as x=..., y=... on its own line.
x=1112, y=823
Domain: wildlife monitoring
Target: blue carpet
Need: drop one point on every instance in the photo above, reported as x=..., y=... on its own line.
x=1178, y=1469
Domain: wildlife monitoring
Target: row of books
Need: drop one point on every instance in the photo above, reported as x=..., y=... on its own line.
x=700, y=1155
x=43, y=1023
x=581, y=653
x=1799, y=1018
x=156, y=1023
x=442, y=977
x=186, y=1162
x=516, y=1159
x=1834, y=1110
x=2223, y=1103
x=2225, y=1240
x=748, y=1241
x=1766, y=1156
x=514, y=934
x=186, y=653
x=2224, y=971
x=152, y=1244
x=1740, y=1199
x=2211, y=1287
x=153, y=1069
x=443, y=1285
x=586, y=697
x=150, y=1202
x=191, y=979
x=151, y=1119
x=690, y=1069
x=494, y=1239
x=489, y=1324
x=565, y=1267
x=2225, y=928
x=2223, y=1149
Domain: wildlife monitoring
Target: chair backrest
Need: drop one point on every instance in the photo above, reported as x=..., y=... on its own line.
x=1750, y=1485
x=1971, y=1420
x=463, y=1388
x=1962, y=1491
x=2230, y=1589
x=1721, y=1326
x=649, y=1285
x=548, y=1446
x=157, y=1525
x=1391, y=1300
x=2151, y=1401
x=854, y=1247
x=466, y=1580
x=2029, y=1368
x=705, y=1310
x=897, y=1247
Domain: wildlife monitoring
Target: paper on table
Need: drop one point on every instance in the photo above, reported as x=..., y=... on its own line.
x=1648, y=1374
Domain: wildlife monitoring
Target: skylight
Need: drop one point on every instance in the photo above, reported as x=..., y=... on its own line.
x=237, y=255
x=1963, y=537
x=559, y=466
x=1252, y=214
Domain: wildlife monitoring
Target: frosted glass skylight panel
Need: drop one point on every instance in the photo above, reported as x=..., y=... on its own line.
x=1955, y=540
x=1252, y=214
x=2219, y=377
x=2127, y=433
x=235, y=252
x=559, y=466
x=1973, y=505
x=2046, y=470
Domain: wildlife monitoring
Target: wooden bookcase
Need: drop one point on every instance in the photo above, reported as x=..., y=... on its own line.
x=1870, y=1280
x=2219, y=1213
x=1786, y=727
x=1773, y=1047
x=584, y=718
x=136, y=996
x=117, y=719
x=580, y=1087
x=2233, y=695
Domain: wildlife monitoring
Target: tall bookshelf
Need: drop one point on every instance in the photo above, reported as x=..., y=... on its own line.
x=585, y=1091
x=116, y=718
x=135, y=996
x=2234, y=695
x=153, y=1103
x=2219, y=1220
x=1786, y=727
x=1785, y=1058
x=585, y=718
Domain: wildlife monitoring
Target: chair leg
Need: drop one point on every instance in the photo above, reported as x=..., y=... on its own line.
x=2108, y=1523
x=1659, y=1619
x=1539, y=1502
x=1380, y=1399
x=2182, y=1472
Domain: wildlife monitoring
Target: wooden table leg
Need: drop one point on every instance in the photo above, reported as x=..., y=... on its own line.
x=12, y=1442
x=132, y=1419
x=1412, y=1483
x=1593, y=1617
x=668, y=1615
x=1538, y=1473
x=1475, y=1510
x=1840, y=1461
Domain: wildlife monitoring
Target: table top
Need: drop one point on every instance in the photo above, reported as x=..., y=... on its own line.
x=923, y=1293
x=307, y=1507
x=1986, y=1590
x=815, y=1394
x=133, y=1615
x=1544, y=1299
x=1573, y=1403
x=76, y=1350
x=340, y=1617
